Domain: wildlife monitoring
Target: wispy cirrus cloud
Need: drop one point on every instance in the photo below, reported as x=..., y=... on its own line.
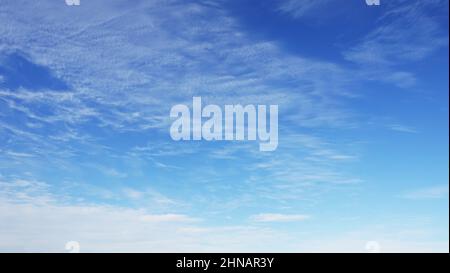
x=132, y=94
x=402, y=128
x=410, y=31
x=433, y=192
x=300, y=8
x=277, y=217
x=123, y=66
x=407, y=32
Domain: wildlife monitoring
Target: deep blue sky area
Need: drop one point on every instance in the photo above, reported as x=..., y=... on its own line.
x=323, y=34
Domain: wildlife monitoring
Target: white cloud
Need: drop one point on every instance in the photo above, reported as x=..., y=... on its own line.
x=433, y=192
x=150, y=67
x=402, y=128
x=46, y=227
x=133, y=194
x=276, y=217
x=166, y=218
x=33, y=225
x=146, y=58
x=405, y=33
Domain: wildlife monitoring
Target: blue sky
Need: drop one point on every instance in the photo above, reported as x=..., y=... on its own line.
x=86, y=154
